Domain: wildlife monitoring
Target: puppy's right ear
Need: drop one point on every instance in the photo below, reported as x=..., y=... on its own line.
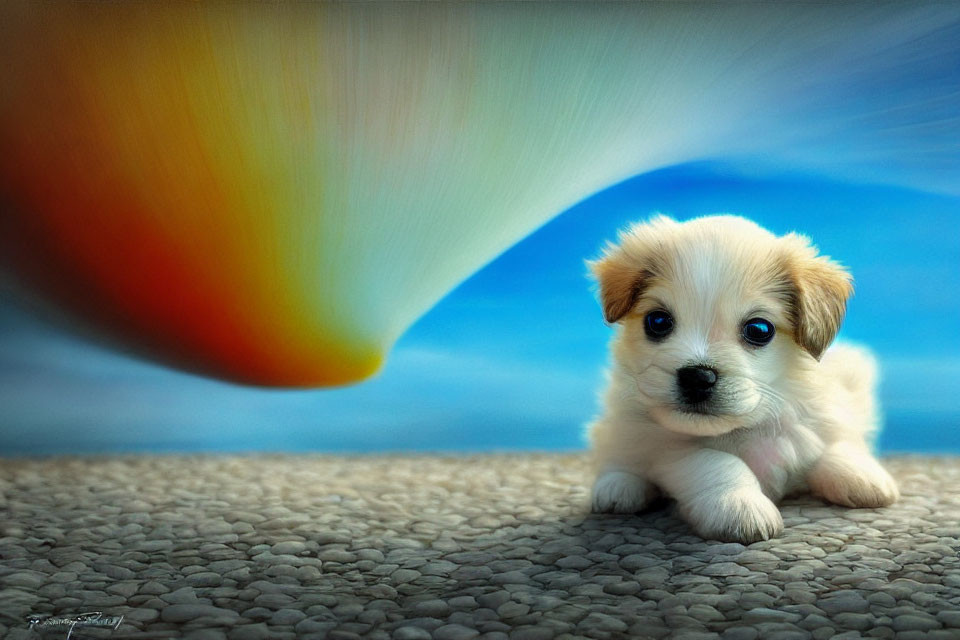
x=621, y=281
x=625, y=270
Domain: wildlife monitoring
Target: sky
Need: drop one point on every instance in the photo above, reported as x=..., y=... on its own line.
x=514, y=357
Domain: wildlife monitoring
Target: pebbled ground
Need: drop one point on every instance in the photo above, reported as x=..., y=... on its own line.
x=500, y=546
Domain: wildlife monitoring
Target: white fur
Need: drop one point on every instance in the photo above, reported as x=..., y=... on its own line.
x=621, y=492
x=785, y=421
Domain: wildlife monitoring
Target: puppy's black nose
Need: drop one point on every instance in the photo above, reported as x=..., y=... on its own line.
x=696, y=383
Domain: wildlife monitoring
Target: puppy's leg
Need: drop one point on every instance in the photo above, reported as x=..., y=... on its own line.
x=719, y=496
x=848, y=475
x=616, y=491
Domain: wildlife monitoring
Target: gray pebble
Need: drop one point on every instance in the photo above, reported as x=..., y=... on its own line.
x=404, y=575
x=289, y=547
x=187, y=612
x=141, y=615
x=336, y=555
x=287, y=617
x=438, y=568
x=638, y=561
x=622, y=588
x=844, y=601
x=204, y=579
x=577, y=562
x=468, y=573
x=431, y=609
x=274, y=600
x=494, y=599
x=770, y=615
x=854, y=621
x=950, y=618
x=918, y=621
x=115, y=571
x=881, y=599
x=226, y=566
x=603, y=622
x=23, y=579
x=463, y=602
x=724, y=569
x=512, y=609
x=455, y=632
x=530, y=632
x=125, y=589
x=205, y=634
x=411, y=633
x=704, y=613
x=183, y=595
x=724, y=549
x=256, y=631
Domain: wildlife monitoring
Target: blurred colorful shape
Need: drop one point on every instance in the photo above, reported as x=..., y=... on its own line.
x=273, y=192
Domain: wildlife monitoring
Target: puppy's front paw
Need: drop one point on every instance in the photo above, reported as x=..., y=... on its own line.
x=620, y=492
x=743, y=515
x=853, y=479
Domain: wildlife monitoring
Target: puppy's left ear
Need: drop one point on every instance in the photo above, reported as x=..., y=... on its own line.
x=819, y=289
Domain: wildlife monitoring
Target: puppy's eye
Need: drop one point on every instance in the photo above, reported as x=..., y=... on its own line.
x=658, y=324
x=758, y=331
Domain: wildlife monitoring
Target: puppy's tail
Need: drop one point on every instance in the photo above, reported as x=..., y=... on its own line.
x=854, y=369
x=853, y=366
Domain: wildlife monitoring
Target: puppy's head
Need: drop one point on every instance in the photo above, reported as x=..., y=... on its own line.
x=717, y=318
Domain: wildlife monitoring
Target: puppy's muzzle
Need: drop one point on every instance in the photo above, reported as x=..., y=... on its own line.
x=696, y=383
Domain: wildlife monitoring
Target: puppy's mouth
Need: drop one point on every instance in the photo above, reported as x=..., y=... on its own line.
x=695, y=419
x=699, y=409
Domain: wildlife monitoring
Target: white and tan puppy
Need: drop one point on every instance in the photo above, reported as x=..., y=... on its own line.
x=722, y=392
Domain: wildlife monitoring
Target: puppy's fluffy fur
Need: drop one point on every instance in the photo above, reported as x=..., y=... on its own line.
x=785, y=417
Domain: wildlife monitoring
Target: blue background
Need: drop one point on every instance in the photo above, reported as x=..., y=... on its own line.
x=514, y=357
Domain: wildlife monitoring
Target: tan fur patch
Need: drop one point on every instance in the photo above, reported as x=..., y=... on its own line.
x=820, y=290
x=621, y=285
x=624, y=271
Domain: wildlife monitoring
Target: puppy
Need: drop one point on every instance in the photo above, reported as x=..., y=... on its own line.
x=722, y=392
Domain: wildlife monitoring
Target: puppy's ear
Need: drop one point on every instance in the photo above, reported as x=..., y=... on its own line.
x=621, y=281
x=625, y=270
x=819, y=291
